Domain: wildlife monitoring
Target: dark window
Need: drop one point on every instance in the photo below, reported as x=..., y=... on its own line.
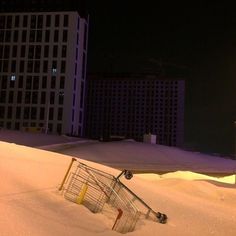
x=40, y=22
x=44, y=82
x=13, y=66
x=52, y=97
x=41, y=114
x=20, y=82
x=46, y=51
x=32, y=36
x=51, y=111
x=31, y=52
x=55, y=50
x=35, y=97
x=36, y=82
x=53, y=82
x=5, y=66
x=43, y=98
x=64, y=36
x=85, y=36
x=14, y=51
x=2, y=112
x=3, y=96
x=62, y=82
x=9, y=113
x=8, y=36
x=9, y=22
x=33, y=113
x=26, y=112
x=22, y=51
x=63, y=51
x=28, y=82
x=27, y=97
x=10, y=98
x=61, y=99
x=78, y=22
x=30, y=66
x=1, y=51
x=22, y=66
x=17, y=126
x=48, y=21
x=19, y=97
x=36, y=66
x=25, y=21
x=47, y=36
x=38, y=52
x=45, y=66
x=63, y=66
x=66, y=21
x=59, y=114
x=39, y=36
x=57, y=20
x=24, y=36
x=83, y=66
x=2, y=22
x=17, y=21
x=33, y=22
x=56, y=35
x=1, y=36
x=16, y=35
x=6, y=51
x=4, y=82
x=59, y=128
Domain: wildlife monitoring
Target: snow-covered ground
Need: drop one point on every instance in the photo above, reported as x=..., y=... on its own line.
x=30, y=203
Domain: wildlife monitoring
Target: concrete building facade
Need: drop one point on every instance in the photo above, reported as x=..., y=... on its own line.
x=131, y=105
x=43, y=71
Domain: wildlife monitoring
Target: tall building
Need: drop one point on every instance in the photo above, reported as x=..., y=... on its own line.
x=131, y=105
x=43, y=56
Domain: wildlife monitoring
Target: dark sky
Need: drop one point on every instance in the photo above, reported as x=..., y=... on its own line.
x=199, y=38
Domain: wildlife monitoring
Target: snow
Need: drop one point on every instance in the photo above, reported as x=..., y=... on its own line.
x=31, y=204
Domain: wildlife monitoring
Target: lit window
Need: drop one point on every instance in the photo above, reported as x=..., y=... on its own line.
x=13, y=77
x=54, y=70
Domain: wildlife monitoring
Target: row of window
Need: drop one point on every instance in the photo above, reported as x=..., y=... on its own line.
x=29, y=97
x=33, y=21
x=33, y=113
x=32, y=36
x=33, y=51
x=24, y=125
x=32, y=66
x=32, y=82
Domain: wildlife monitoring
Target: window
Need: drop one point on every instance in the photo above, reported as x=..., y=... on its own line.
x=25, y=21
x=22, y=66
x=20, y=82
x=39, y=36
x=2, y=22
x=59, y=128
x=17, y=21
x=1, y=36
x=8, y=36
x=46, y=51
x=40, y=22
x=2, y=112
x=10, y=97
x=36, y=82
x=27, y=97
x=37, y=51
x=59, y=114
x=9, y=22
x=30, y=66
x=41, y=113
x=66, y=21
x=9, y=112
x=14, y=51
x=33, y=113
x=44, y=82
x=3, y=96
x=52, y=97
x=56, y=35
x=55, y=50
x=26, y=112
x=47, y=36
x=51, y=111
x=53, y=82
x=57, y=20
x=43, y=98
x=63, y=51
x=32, y=36
x=33, y=22
x=22, y=51
x=45, y=66
x=24, y=36
x=48, y=21
x=19, y=97
x=18, y=112
x=62, y=82
x=37, y=66
x=13, y=66
x=64, y=36
x=28, y=82
x=63, y=66
x=15, y=35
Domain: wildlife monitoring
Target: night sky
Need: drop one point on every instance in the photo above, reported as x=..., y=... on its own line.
x=195, y=41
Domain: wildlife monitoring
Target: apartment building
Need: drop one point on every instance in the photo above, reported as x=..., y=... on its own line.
x=43, y=58
x=131, y=105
